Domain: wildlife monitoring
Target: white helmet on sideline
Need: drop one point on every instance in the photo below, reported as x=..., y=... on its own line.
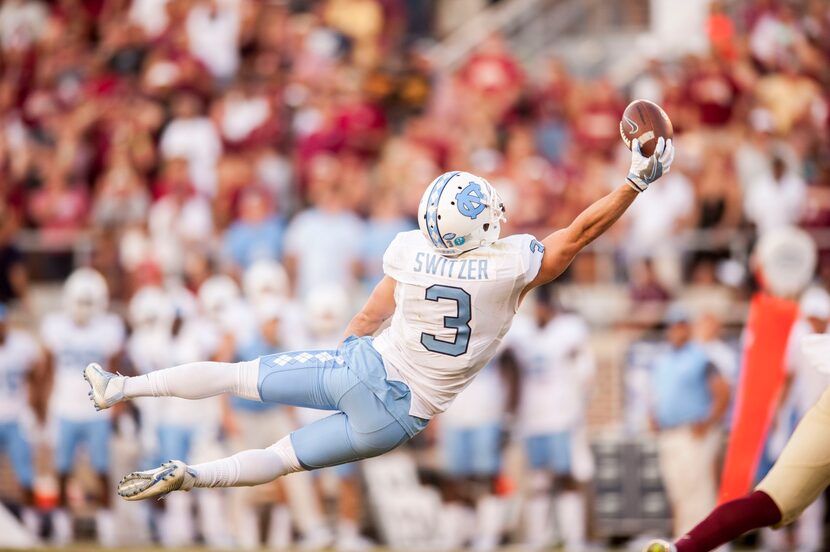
x=459, y=212
x=327, y=310
x=217, y=295
x=265, y=278
x=151, y=308
x=85, y=294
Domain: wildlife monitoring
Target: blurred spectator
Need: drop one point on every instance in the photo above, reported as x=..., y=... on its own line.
x=777, y=200
x=21, y=23
x=773, y=34
x=708, y=332
x=690, y=397
x=384, y=223
x=59, y=208
x=121, y=200
x=651, y=224
x=179, y=218
x=713, y=92
x=790, y=96
x=322, y=244
x=194, y=137
x=257, y=234
x=721, y=31
x=645, y=284
x=213, y=36
x=361, y=21
x=14, y=281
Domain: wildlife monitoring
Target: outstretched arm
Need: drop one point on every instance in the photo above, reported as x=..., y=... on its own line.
x=562, y=246
x=379, y=307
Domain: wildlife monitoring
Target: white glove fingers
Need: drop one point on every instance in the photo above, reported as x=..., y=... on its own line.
x=660, y=148
x=668, y=153
x=635, y=147
x=668, y=157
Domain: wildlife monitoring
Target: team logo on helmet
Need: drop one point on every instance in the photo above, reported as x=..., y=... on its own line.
x=471, y=200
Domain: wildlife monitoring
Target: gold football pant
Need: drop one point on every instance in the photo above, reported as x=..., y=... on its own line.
x=802, y=472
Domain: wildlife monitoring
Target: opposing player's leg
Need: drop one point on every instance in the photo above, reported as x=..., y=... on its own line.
x=365, y=427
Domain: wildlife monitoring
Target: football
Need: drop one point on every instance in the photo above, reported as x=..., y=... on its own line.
x=645, y=121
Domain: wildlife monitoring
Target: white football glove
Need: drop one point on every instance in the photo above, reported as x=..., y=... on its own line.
x=645, y=170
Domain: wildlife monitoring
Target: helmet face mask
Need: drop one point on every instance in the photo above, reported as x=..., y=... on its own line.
x=460, y=212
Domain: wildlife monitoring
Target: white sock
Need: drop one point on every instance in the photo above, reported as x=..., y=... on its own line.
x=249, y=467
x=570, y=514
x=198, y=380
x=62, y=529
x=105, y=528
x=246, y=527
x=177, y=527
x=211, y=520
x=489, y=522
x=537, y=519
x=279, y=528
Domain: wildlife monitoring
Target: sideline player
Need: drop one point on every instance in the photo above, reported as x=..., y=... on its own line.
x=451, y=291
x=81, y=333
x=21, y=378
x=472, y=440
x=556, y=367
x=799, y=476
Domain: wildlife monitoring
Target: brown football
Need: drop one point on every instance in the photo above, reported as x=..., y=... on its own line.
x=646, y=121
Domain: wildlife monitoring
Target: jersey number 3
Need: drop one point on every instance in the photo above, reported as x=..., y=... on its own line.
x=460, y=323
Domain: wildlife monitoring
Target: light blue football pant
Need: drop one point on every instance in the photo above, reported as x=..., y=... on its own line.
x=364, y=427
x=19, y=451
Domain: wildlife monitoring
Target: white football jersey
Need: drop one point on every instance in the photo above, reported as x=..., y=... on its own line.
x=73, y=347
x=197, y=341
x=451, y=314
x=557, y=367
x=466, y=411
x=18, y=354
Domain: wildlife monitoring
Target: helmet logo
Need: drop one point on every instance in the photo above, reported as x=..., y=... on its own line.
x=470, y=200
x=459, y=240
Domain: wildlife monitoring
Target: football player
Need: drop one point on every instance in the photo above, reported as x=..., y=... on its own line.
x=256, y=421
x=82, y=332
x=472, y=442
x=327, y=310
x=556, y=367
x=451, y=291
x=21, y=378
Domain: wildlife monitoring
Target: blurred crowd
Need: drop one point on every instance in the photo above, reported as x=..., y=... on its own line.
x=234, y=169
x=188, y=137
